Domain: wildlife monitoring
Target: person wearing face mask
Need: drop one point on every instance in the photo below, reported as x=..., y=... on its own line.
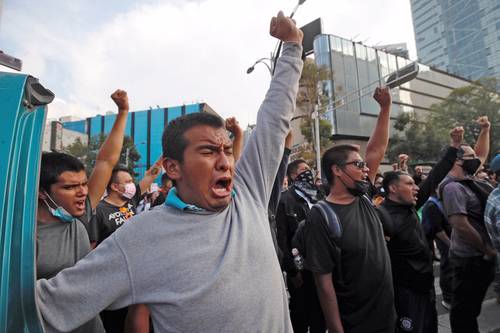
x=294, y=204
x=111, y=213
x=66, y=200
x=472, y=255
x=411, y=257
x=352, y=273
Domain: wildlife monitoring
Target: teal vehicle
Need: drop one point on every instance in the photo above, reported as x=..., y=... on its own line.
x=23, y=111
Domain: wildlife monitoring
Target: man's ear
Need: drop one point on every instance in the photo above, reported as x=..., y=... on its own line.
x=336, y=170
x=41, y=194
x=393, y=188
x=172, y=168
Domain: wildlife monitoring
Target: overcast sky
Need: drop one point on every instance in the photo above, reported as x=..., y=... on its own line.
x=170, y=52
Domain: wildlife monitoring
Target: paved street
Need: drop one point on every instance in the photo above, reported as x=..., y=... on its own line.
x=489, y=320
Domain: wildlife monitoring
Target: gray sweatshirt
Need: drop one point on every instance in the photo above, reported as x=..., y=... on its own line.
x=196, y=271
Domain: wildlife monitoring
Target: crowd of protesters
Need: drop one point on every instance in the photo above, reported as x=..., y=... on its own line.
x=242, y=240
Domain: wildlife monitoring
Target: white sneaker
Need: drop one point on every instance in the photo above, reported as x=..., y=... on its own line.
x=446, y=305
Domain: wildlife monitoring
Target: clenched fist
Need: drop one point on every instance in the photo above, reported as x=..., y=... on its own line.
x=383, y=97
x=233, y=126
x=483, y=122
x=457, y=136
x=121, y=99
x=284, y=29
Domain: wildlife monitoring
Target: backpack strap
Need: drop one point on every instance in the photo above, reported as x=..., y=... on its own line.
x=334, y=230
x=439, y=205
x=331, y=220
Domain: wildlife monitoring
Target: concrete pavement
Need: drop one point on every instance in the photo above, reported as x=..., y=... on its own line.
x=489, y=320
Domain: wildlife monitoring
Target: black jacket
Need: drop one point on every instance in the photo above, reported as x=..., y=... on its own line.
x=292, y=209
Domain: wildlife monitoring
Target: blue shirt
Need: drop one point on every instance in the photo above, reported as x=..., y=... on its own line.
x=174, y=201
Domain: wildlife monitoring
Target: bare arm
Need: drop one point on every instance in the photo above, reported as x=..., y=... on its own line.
x=443, y=237
x=461, y=225
x=482, y=147
x=150, y=176
x=233, y=126
x=377, y=145
x=109, y=154
x=328, y=300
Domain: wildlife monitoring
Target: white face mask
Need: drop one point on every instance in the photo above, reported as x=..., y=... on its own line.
x=129, y=191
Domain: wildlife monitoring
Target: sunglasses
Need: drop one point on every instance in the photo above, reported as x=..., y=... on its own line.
x=359, y=164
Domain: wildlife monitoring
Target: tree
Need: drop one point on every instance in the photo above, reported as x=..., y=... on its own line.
x=308, y=97
x=423, y=139
x=87, y=153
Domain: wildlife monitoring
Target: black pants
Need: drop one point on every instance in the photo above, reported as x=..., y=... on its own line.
x=416, y=311
x=114, y=321
x=445, y=271
x=305, y=310
x=471, y=279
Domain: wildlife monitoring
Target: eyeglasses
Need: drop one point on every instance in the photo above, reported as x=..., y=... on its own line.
x=359, y=164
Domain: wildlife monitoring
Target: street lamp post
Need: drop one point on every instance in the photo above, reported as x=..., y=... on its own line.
x=262, y=61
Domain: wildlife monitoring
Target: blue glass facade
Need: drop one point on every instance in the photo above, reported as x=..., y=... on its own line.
x=77, y=126
x=144, y=127
x=460, y=36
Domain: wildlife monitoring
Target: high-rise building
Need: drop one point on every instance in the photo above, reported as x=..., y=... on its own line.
x=355, y=70
x=459, y=36
x=144, y=127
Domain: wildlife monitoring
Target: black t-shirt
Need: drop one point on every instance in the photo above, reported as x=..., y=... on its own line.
x=410, y=254
x=364, y=289
x=109, y=217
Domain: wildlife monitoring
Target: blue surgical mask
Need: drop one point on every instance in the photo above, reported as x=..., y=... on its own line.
x=59, y=212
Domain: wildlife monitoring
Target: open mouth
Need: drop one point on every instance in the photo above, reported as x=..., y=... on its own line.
x=222, y=187
x=80, y=205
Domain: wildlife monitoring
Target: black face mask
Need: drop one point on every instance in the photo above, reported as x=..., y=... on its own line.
x=360, y=188
x=470, y=166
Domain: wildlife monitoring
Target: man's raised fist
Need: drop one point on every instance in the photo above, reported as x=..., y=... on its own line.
x=284, y=29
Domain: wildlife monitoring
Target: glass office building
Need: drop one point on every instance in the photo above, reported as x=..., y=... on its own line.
x=144, y=127
x=460, y=36
x=355, y=70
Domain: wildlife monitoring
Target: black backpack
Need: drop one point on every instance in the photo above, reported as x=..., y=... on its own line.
x=332, y=228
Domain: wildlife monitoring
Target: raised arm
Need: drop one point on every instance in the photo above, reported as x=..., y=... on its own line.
x=150, y=175
x=258, y=165
x=482, y=147
x=377, y=145
x=234, y=128
x=109, y=154
x=441, y=169
x=280, y=176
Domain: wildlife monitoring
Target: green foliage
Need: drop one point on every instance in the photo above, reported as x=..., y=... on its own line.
x=309, y=95
x=87, y=154
x=423, y=139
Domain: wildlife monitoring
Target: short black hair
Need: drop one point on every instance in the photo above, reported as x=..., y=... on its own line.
x=292, y=167
x=53, y=165
x=391, y=177
x=114, y=174
x=173, y=141
x=337, y=155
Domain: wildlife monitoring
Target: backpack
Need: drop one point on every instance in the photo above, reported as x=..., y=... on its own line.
x=425, y=220
x=481, y=189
